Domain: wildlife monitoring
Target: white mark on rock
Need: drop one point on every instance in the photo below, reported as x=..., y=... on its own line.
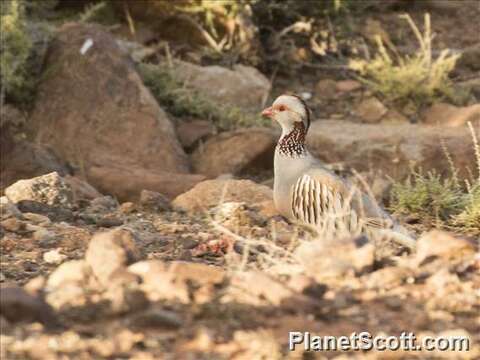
x=86, y=46
x=306, y=95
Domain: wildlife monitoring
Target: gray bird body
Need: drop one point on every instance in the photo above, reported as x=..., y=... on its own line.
x=308, y=193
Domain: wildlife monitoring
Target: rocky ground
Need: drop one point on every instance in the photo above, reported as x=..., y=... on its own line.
x=91, y=278
x=130, y=230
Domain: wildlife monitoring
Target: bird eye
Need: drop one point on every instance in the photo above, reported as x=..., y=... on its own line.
x=281, y=108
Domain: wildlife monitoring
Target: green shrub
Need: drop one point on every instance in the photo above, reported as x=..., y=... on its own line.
x=469, y=219
x=419, y=78
x=427, y=196
x=446, y=202
x=180, y=100
x=15, y=49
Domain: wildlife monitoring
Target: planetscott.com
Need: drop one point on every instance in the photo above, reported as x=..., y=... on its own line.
x=407, y=341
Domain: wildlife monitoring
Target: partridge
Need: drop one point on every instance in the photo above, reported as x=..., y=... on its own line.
x=305, y=191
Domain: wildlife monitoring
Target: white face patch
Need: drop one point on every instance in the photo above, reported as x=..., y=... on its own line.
x=294, y=112
x=292, y=103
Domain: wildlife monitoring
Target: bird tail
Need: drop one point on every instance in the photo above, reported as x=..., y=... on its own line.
x=399, y=235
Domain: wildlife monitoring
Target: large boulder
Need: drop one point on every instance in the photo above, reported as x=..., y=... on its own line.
x=24, y=160
x=128, y=182
x=242, y=86
x=94, y=111
x=235, y=151
x=20, y=158
x=391, y=148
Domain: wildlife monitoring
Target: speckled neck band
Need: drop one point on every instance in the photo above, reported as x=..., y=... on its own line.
x=293, y=144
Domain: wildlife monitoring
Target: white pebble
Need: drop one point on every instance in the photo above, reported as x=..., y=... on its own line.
x=54, y=257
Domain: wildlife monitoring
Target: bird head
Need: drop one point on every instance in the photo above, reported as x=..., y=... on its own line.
x=288, y=111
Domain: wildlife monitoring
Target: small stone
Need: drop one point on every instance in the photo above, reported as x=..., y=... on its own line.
x=189, y=133
x=13, y=224
x=17, y=305
x=48, y=189
x=451, y=116
x=54, y=257
x=70, y=295
x=37, y=218
x=128, y=207
x=210, y=193
x=109, y=251
x=326, y=89
x=371, y=110
x=182, y=281
x=44, y=237
x=123, y=298
x=54, y=213
x=442, y=244
x=189, y=243
x=154, y=200
x=36, y=285
x=8, y=209
x=103, y=203
x=122, y=276
x=388, y=277
x=324, y=260
x=395, y=117
x=157, y=318
x=81, y=189
x=346, y=86
x=74, y=271
x=257, y=288
x=109, y=221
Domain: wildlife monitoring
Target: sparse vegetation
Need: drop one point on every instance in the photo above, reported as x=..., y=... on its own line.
x=418, y=79
x=427, y=196
x=101, y=13
x=445, y=202
x=15, y=49
x=182, y=101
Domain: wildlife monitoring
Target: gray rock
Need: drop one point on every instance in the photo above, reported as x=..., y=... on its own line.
x=154, y=200
x=110, y=251
x=17, y=305
x=49, y=189
x=73, y=272
x=211, y=193
x=101, y=113
x=391, y=148
x=371, y=110
x=8, y=209
x=235, y=152
x=156, y=317
x=242, y=86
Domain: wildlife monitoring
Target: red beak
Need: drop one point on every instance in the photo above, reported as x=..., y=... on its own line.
x=268, y=112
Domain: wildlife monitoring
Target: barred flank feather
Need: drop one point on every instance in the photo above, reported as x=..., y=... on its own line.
x=316, y=204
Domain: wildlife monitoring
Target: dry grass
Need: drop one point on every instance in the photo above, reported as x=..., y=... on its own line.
x=444, y=202
x=419, y=78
